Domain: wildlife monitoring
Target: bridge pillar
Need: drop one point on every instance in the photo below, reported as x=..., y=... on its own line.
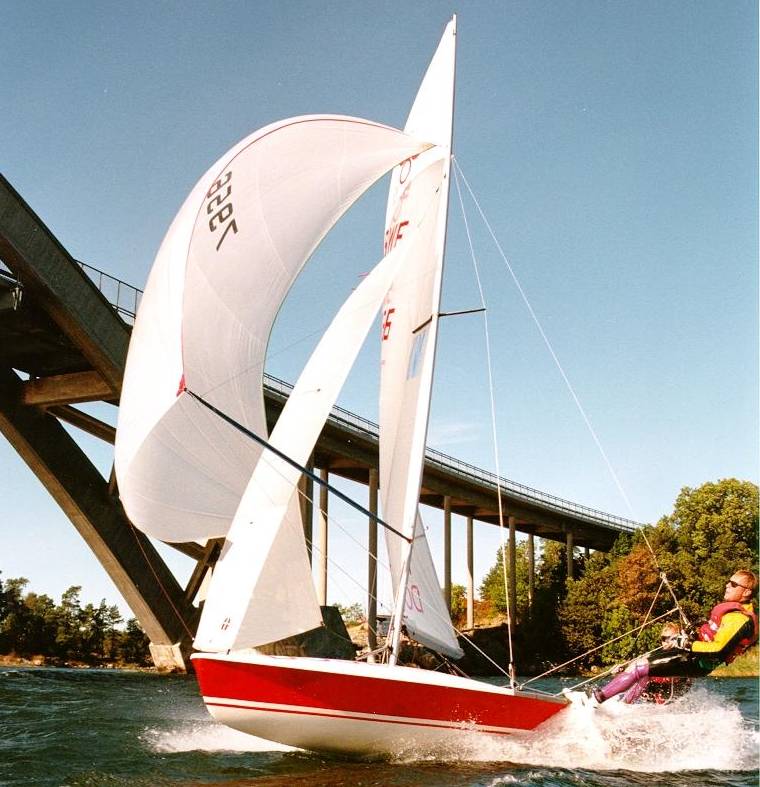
x=470, y=576
x=324, y=474
x=372, y=563
x=447, y=551
x=569, y=551
x=306, y=499
x=531, y=573
x=512, y=583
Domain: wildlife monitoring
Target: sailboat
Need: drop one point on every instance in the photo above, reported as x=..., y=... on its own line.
x=194, y=459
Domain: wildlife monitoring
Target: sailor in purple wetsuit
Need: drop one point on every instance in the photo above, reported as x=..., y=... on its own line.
x=731, y=629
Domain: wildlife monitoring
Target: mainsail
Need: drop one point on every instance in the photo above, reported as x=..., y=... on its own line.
x=418, y=200
x=218, y=281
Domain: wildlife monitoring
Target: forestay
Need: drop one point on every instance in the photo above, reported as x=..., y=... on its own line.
x=218, y=281
x=418, y=200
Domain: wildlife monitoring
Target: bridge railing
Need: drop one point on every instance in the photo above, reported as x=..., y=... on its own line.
x=122, y=296
x=125, y=299
x=350, y=420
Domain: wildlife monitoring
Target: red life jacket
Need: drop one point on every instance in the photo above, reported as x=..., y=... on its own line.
x=708, y=630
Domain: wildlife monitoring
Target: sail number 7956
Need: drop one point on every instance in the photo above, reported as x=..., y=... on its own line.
x=219, y=203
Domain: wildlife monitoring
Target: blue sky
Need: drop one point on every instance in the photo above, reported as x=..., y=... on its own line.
x=612, y=145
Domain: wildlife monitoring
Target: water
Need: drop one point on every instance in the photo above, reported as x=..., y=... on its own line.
x=106, y=727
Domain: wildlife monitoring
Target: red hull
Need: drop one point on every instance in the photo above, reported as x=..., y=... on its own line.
x=343, y=706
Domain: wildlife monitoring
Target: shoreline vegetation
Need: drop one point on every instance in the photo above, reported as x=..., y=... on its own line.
x=746, y=666
x=616, y=599
x=14, y=660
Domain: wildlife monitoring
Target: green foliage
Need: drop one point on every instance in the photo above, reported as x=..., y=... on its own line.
x=492, y=587
x=580, y=622
x=711, y=533
x=748, y=664
x=32, y=624
x=352, y=614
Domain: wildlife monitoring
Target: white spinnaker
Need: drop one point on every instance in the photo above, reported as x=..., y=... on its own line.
x=418, y=198
x=219, y=278
x=262, y=589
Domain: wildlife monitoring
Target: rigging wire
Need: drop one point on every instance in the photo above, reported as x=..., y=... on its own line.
x=589, y=652
x=164, y=590
x=458, y=172
x=333, y=520
x=269, y=447
x=548, y=344
x=493, y=429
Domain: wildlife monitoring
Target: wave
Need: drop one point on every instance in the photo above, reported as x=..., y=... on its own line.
x=698, y=732
x=208, y=737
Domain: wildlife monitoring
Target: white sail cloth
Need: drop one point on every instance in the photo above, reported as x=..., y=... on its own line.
x=262, y=589
x=418, y=200
x=218, y=281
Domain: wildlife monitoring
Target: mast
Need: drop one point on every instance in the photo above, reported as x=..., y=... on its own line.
x=416, y=216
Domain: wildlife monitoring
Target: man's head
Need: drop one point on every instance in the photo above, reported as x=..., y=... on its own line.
x=740, y=587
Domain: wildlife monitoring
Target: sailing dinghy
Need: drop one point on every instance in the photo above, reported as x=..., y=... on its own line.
x=194, y=460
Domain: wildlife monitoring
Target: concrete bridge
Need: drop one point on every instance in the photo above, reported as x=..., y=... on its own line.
x=64, y=332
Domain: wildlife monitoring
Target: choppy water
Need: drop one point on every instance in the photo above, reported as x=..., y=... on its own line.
x=103, y=727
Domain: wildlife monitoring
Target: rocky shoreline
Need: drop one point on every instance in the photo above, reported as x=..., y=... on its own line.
x=14, y=660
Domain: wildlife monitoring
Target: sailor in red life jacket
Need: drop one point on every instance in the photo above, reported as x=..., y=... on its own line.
x=731, y=629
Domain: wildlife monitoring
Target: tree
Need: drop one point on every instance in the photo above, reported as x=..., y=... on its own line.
x=40, y=625
x=68, y=638
x=134, y=644
x=582, y=612
x=15, y=615
x=711, y=533
x=352, y=614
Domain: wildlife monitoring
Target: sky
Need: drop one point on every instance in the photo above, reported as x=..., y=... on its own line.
x=611, y=145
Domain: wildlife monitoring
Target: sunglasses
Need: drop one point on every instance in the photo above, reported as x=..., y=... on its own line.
x=737, y=584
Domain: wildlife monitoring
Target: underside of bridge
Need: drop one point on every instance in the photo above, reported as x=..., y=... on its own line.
x=63, y=343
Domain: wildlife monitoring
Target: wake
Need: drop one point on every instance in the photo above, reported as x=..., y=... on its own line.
x=210, y=737
x=700, y=731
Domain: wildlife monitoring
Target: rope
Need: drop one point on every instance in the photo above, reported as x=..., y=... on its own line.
x=649, y=612
x=664, y=580
x=593, y=650
x=493, y=431
x=576, y=400
x=285, y=458
x=166, y=593
x=547, y=343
